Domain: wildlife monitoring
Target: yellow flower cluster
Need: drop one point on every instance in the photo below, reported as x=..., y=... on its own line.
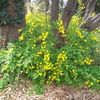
x=82, y=4
x=82, y=7
x=75, y=74
x=79, y=1
x=31, y=30
x=79, y=34
x=94, y=38
x=74, y=21
x=87, y=60
x=61, y=28
x=10, y=50
x=48, y=66
x=46, y=56
x=83, y=22
x=29, y=18
x=43, y=36
x=62, y=57
x=88, y=83
x=5, y=67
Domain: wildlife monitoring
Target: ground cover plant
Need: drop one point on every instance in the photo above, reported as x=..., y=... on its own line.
x=35, y=55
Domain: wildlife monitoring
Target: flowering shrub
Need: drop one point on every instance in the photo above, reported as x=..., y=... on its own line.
x=35, y=55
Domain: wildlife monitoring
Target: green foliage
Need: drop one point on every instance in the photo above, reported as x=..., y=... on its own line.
x=35, y=55
x=5, y=17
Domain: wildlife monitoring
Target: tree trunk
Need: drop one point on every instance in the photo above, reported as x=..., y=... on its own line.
x=54, y=17
x=90, y=8
x=90, y=23
x=8, y=31
x=54, y=10
x=69, y=12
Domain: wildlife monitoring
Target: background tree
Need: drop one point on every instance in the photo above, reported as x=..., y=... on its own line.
x=91, y=22
x=69, y=11
x=12, y=18
x=13, y=12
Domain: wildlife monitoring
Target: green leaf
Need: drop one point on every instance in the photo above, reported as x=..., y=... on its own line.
x=35, y=75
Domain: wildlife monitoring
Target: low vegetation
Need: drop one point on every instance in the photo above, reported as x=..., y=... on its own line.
x=35, y=55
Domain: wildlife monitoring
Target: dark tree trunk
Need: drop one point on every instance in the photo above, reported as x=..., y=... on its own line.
x=9, y=32
x=69, y=12
x=54, y=10
x=54, y=17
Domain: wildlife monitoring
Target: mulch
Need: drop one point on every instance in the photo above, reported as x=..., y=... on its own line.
x=23, y=91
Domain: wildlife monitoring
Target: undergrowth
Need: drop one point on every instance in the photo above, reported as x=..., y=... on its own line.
x=35, y=55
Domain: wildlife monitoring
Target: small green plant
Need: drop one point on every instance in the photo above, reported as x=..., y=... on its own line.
x=30, y=92
x=12, y=86
x=35, y=55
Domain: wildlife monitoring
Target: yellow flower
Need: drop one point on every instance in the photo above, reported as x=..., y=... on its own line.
x=82, y=7
x=95, y=38
x=32, y=67
x=46, y=67
x=75, y=44
x=91, y=83
x=86, y=83
x=52, y=43
x=21, y=37
x=10, y=50
x=44, y=74
x=53, y=77
x=32, y=47
x=58, y=79
x=81, y=36
x=19, y=55
x=39, y=52
x=34, y=41
x=83, y=22
x=87, y=47
x=43, y=42
x=75, y=61
x=93, y=14
x=17, y=64
x=40, y=74
x=5, y=67
x=85, y=40
x=73, y=70
x=19, y=30
x=63, y=35
x=98, y=80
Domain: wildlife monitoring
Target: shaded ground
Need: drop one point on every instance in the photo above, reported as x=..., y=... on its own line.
x=23, y=91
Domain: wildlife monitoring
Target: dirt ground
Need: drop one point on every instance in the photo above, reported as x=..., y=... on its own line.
x=23, y=91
